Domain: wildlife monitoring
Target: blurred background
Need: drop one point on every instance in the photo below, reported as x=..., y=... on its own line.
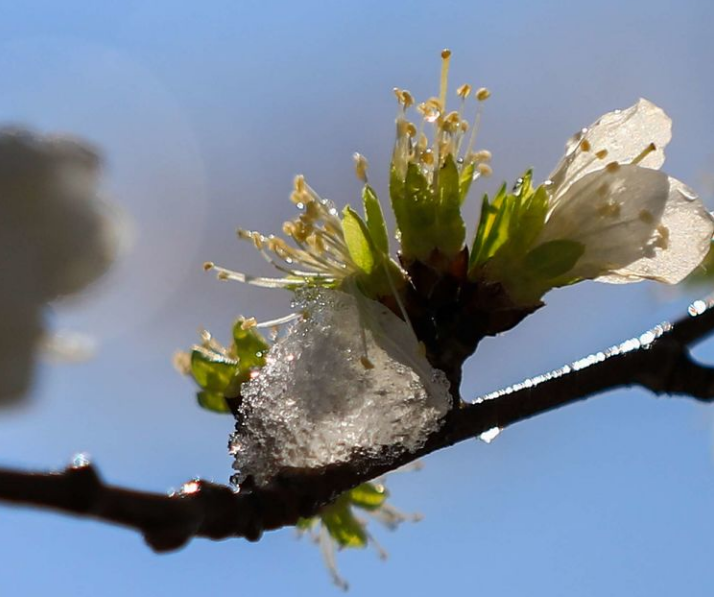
x=205, y=112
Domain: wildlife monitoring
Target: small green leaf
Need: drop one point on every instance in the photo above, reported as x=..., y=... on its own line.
x=359, y=243
x=249, y=347
x=553, y=259
x=210, y=370
x=415, y=210
x=342, y=524
x=375, y=220
x=213, y=401
x=465, y=180
x=450, y=229
x=368, y=496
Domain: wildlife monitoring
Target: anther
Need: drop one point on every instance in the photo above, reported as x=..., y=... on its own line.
x=601, y=155
x=208, y=265
x=464, y=91
x=482, y=94
x=246, y=324
x=360, y=167
x=612, y=167
x=484, y=170
x=585, y=145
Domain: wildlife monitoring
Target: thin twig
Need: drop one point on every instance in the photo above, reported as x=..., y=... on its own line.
x=658, y=360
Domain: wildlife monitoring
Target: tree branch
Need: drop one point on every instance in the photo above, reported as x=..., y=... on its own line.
x=659, y=360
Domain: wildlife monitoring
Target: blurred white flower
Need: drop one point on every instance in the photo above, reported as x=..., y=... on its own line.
x=608, y=194
x=56, y=237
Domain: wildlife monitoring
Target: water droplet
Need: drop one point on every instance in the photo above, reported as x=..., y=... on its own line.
x=80, y=460
x=488, y=436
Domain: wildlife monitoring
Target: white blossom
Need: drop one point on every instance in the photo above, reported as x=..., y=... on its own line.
x=634, y=221
x=56, y=237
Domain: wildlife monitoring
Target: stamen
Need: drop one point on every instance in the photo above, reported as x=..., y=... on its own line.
x=280, y=321
x=645, y=152
x=444, y=83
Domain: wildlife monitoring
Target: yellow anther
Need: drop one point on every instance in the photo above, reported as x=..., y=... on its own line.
x=411, y=130
x=427, y=157
x=585, y=145
x=257, y=238
x=612, y=167
x=246, y=324
x=222, y=276
x=300, y=186
x=407, y=99
x=451, y=122
x=445, y=54
x=288, y=228
x=464, y=126
x=208, y=265
x=404, y=127
x=403, y=97
x=312, y=212
x=360, y=166
x=601, y=155
x=464, y=91
x=484, y=170
x=482, y=94
x=482, y=155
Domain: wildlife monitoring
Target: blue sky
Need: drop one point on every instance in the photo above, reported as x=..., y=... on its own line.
x=205, y=112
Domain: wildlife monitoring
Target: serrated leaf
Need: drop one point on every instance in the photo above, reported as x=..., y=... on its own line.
x=211, y=371
x=358, y=240
x=213, y=401
x=368, y=496
x=375, y=220
x=553, y=259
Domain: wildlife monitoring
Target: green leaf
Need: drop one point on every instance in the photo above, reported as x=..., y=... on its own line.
x=553, y=259
x=359, y=242
x=450, y=229
x=415, y=210
x=249, y=347
x=375, y=220
x=368, y=496
x=210, y=370
x=213, y=401
x=465, y=180
x=343, y=526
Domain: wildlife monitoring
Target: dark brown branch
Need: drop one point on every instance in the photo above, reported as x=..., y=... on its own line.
x=659, y=360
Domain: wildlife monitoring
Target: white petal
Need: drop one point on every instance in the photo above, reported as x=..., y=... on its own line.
x=624, y=134
x=614, y=213
x=688, y=228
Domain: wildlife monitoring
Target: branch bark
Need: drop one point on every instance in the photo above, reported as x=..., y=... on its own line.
x=659, y=360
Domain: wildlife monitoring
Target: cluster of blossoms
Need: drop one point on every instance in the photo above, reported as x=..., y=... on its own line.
x=373, y=356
